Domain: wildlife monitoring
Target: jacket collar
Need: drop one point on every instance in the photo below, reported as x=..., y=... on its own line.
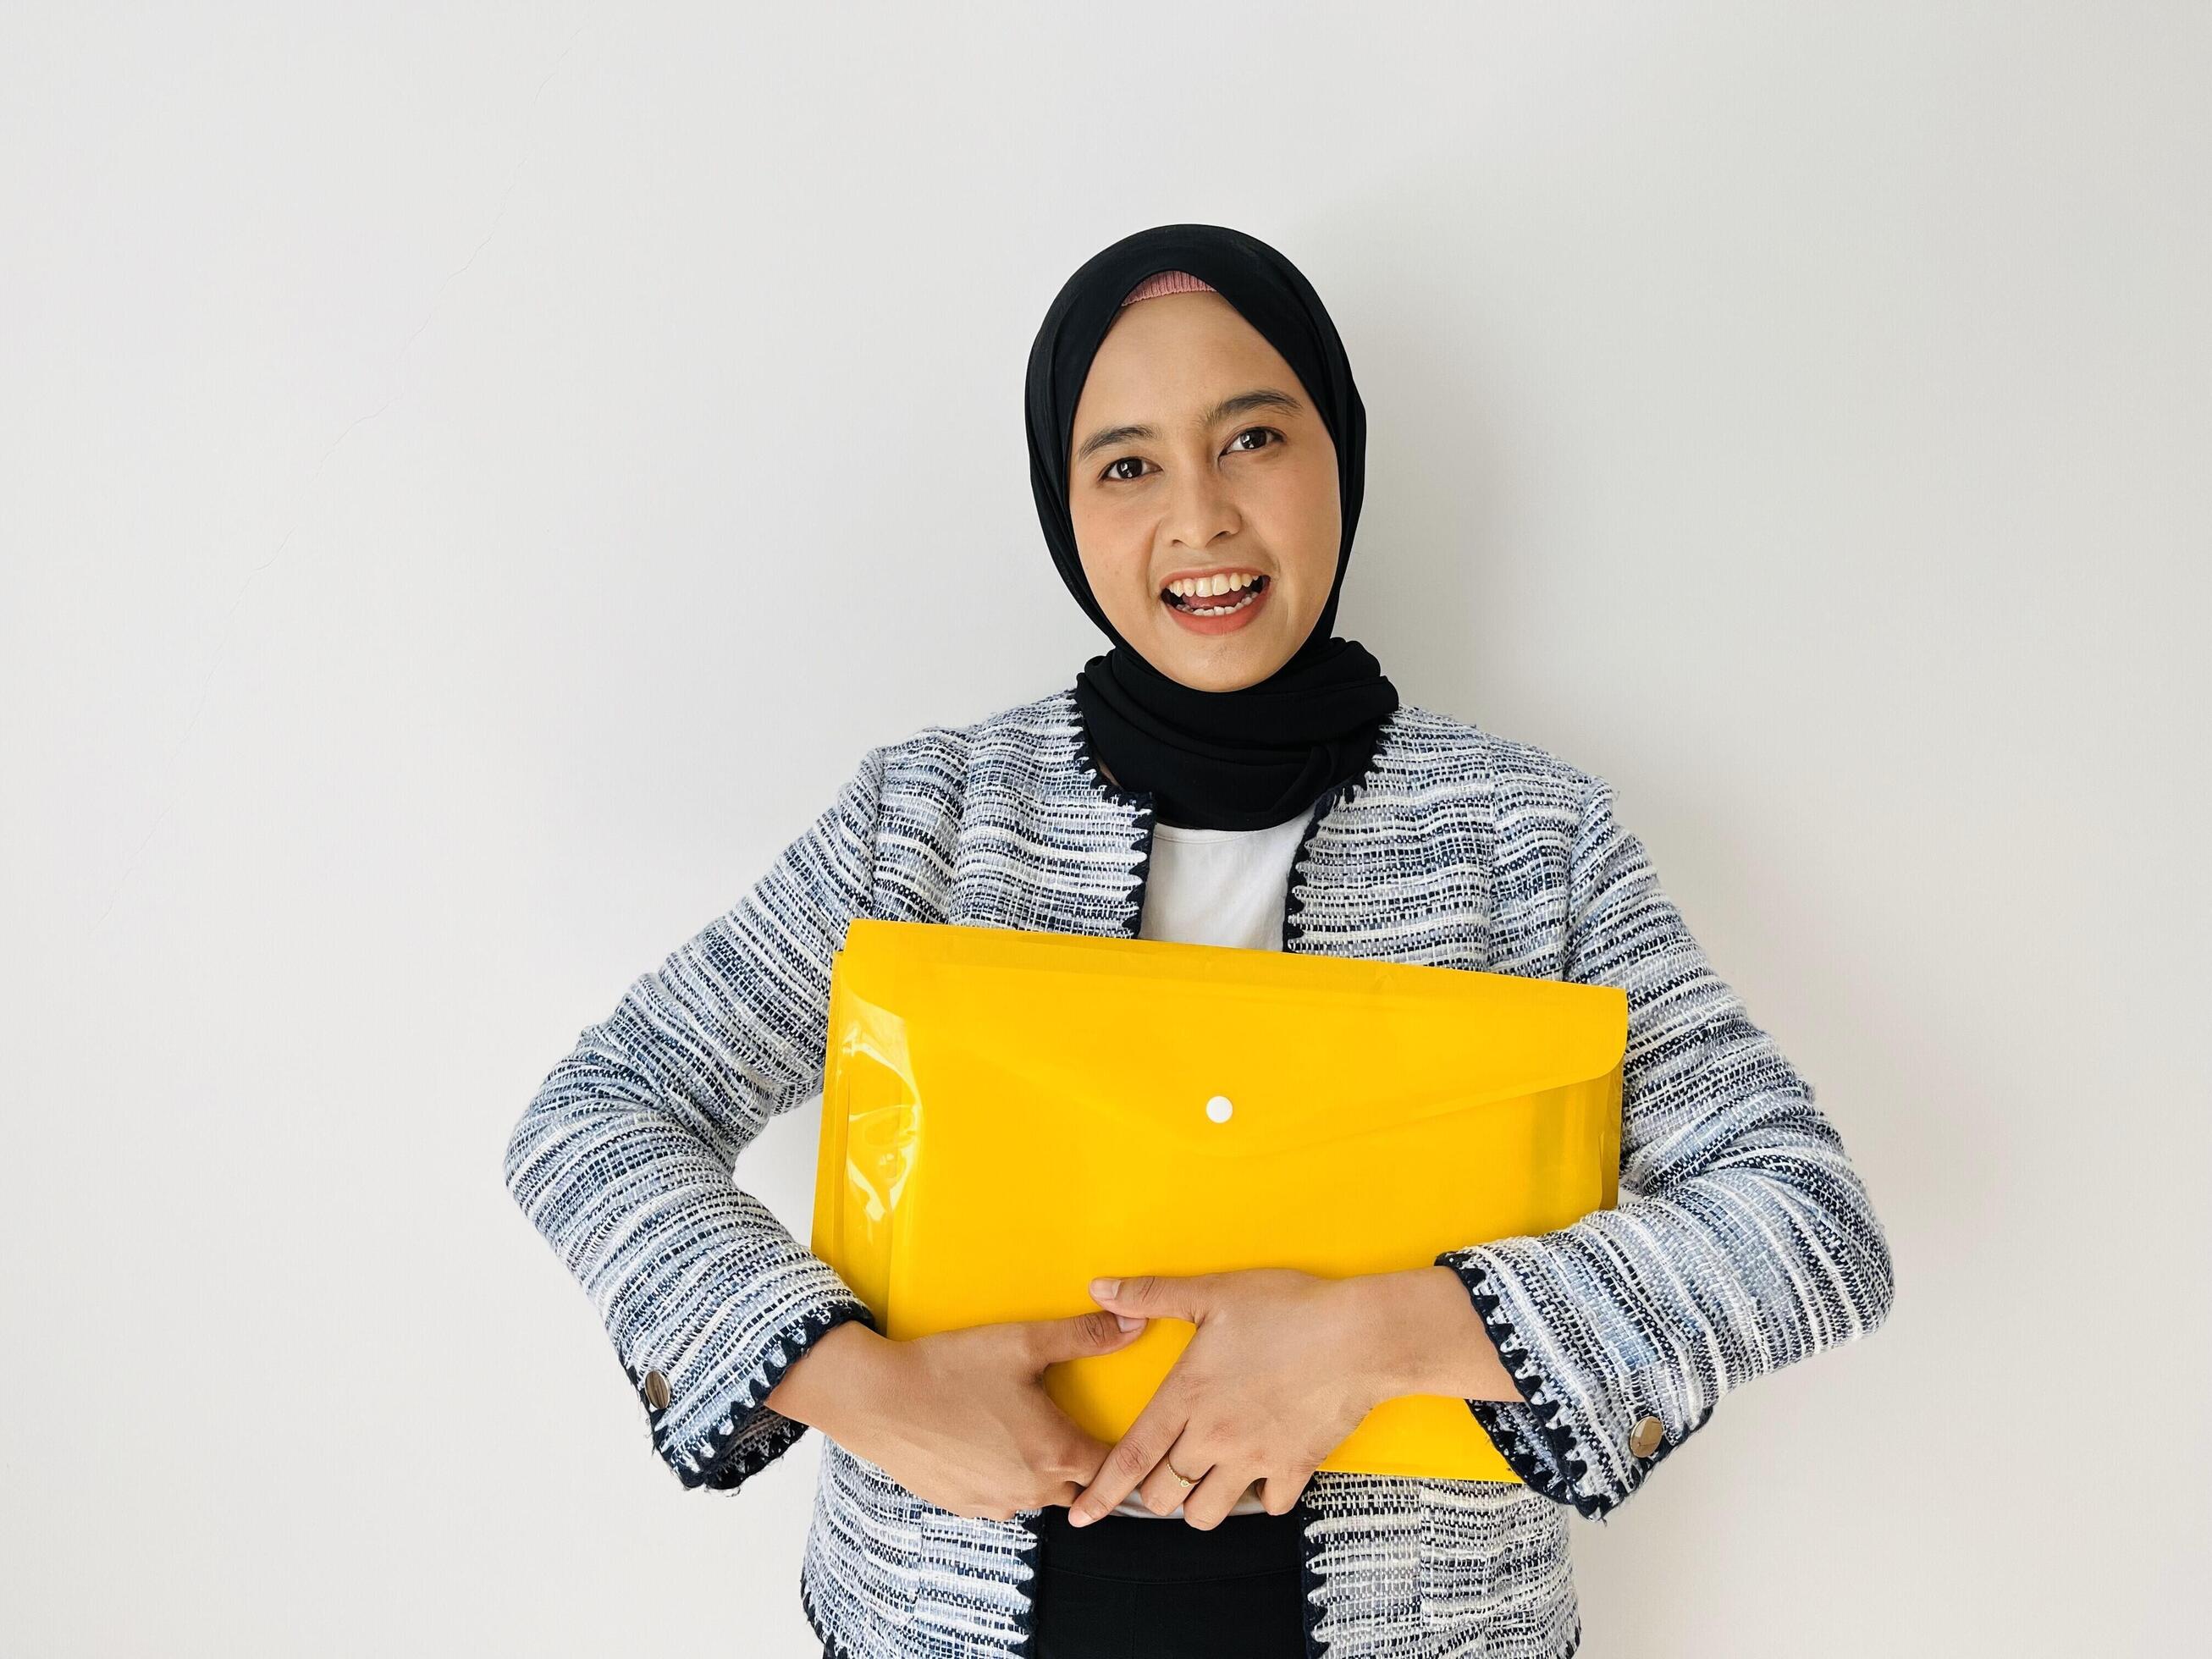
x=1086, y=843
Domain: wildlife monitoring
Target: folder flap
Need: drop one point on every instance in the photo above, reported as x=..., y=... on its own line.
x=1299, y=1037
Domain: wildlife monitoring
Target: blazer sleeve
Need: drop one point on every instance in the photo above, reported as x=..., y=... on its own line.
x=623, y=1159
x=1743, y=1240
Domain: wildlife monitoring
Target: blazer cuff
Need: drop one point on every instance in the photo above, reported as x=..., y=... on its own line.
x=1589, y=1428
x=702, y=1389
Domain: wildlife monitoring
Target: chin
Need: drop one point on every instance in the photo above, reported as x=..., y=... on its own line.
x=1225, y=672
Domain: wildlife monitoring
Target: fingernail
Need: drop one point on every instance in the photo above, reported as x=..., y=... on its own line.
x=1105, y=1287
x=1129, y=1321
x=1078, y=1518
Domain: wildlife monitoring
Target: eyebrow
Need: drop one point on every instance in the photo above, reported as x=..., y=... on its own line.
x=1263, y=398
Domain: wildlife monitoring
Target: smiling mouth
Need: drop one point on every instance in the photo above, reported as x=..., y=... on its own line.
x=1222, y=604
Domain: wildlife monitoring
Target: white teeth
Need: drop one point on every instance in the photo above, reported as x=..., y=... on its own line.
x=1224, y=610
x=1205, y=587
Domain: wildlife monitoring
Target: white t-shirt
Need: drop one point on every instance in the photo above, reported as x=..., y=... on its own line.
x=1218, y=887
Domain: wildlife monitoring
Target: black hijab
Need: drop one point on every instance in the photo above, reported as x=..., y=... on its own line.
x=1265, y=752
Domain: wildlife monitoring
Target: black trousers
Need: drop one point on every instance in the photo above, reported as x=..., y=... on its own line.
x=1128, y=1587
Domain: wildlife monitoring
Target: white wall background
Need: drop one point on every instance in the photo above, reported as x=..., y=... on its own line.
x=475, y=479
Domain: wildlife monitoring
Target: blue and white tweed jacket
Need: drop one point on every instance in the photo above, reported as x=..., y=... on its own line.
x=1743, y=1240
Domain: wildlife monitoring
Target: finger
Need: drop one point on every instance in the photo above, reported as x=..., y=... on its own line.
x=1160, y=1489
x=1048, y=1341
x=1163, y=1490
x=1211, y=1498
x=1154, y=1296
x=1132, y=1457
x=1279, y=1493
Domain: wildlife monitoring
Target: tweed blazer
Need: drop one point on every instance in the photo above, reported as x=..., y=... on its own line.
x=1743, y=1240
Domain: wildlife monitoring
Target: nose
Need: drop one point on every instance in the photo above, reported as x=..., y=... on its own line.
x=1200, y=508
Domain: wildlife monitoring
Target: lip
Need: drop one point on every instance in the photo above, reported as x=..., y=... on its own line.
x=1228, y=624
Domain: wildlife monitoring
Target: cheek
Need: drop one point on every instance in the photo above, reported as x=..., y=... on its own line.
x=1115, y=577
x=1115, y=546
x=1304, y=530
x=1105, y=518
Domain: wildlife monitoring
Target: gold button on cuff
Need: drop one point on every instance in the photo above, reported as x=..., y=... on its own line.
x=1645, y=1438
x=656, y=1391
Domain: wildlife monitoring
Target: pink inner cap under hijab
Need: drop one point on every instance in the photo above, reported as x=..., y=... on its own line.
x=1168, y=282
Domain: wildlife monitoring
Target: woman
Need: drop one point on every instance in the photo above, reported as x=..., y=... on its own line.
x=1229, y=772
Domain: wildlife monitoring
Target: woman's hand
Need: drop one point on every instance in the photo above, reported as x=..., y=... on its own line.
x=960, y=1419
x=1283, y=1368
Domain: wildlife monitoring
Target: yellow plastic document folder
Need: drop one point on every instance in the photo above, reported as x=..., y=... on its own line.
x=1007, y=1114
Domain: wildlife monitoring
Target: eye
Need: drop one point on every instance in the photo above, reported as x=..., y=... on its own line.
x=1112, y=476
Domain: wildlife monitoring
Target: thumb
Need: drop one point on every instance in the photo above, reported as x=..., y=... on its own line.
x=1154, y=1296
x=1078, y=1334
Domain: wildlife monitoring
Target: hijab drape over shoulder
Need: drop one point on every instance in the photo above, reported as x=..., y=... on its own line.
x=1265, y=752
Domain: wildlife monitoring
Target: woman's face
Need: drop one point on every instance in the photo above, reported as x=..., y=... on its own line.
x=1197, y=455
